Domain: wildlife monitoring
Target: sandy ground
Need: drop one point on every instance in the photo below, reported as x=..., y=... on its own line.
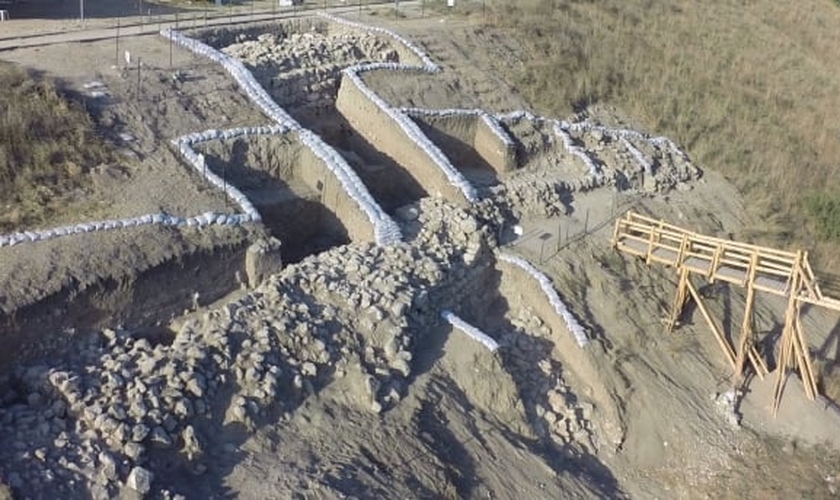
x=461, y=431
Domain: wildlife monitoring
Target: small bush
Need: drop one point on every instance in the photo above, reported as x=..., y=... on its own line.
x=824, y=211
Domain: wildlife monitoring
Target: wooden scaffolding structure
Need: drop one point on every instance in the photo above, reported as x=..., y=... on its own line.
x=758, y=269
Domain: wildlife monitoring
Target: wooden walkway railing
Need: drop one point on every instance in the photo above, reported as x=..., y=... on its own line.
x=756, y=268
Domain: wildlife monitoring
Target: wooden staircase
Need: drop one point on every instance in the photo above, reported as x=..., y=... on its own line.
x=756, y=268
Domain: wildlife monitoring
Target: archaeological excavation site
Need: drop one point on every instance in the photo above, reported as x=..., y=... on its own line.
x=336, y=256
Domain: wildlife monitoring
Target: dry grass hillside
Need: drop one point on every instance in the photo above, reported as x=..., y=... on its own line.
x=749, y=88
x=47, y=143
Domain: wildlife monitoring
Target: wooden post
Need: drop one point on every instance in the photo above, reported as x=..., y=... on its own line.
x=724, y=345
x=680, y=300
x=806, y=370
x=786, y=348
x=746, y=327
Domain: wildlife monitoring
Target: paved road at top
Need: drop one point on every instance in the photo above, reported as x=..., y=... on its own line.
x=136, y=28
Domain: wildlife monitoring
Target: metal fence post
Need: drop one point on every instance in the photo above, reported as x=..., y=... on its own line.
x=138, y=78
x=118, y=43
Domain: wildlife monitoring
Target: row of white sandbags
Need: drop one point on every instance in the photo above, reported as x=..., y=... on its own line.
x=231, y=133
x=637, y=155
x=496, y=126
x=162, y=219
x=410, y=128
x=384, y=227
x=406, y=124
x=571, y=322
x=428, y=64
x=520, y=115
x=486, y=117
x=239, y=72
x=198, y=162
x=471, y=331
x=158, y=218
x=386, y=231
x=581, y=153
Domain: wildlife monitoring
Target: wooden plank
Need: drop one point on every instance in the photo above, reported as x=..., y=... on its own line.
x=724, y=345
x=775, y=272
x=701, y=265
x=771, y=283
x=731, y=274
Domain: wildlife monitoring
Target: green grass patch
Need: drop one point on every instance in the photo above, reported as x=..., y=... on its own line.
x=824, y=211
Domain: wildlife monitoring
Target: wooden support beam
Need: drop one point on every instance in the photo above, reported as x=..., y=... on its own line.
x=786, y=354
x=724, y=345
x=745, y=342
x=806, y=369
x=746, y=346
x=781, y=372
x=680, y=300
x=758, y=269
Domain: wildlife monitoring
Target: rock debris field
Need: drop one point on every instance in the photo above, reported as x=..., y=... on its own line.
x=163, y=412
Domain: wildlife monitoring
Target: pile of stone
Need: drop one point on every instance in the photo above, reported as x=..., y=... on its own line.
x=89, y=424
x=533, y=194
x=306, y=68
x=556, y=413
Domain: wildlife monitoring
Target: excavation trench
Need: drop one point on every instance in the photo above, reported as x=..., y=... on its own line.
x=159, y=288
x=467, y=146
x=390, y=183
x=301, y=203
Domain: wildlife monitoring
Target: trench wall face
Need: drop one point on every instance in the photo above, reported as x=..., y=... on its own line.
x=516, y=282
x=329, y=209
x=157, y=294
x=466, y=137
x=386, y=134
x=314, y=173
x=497, y=154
